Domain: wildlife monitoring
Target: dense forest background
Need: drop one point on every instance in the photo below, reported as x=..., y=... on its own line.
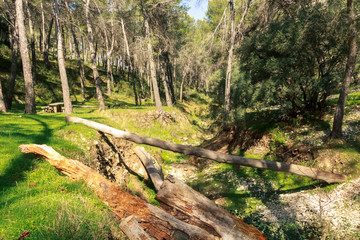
x=267, y=79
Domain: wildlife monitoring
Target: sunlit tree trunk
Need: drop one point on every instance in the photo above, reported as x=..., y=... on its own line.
x=25, y=58
x=78, y=56
x=93, y=58
x=350, y=66
x=166, y=87
x=151, y=61
x=2, y=102
x=231, y=51
x=61, y=62
x=32, y=42
x=47, y=45
x=43, y=33
x=126, y=43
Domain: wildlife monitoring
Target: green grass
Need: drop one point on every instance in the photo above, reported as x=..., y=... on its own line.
x=36, y=197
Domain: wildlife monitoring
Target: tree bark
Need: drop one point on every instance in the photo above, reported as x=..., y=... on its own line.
x=30, y=106
x=131, y=227
x=2, y=102
x=109, y=45
x=14, y=58
x=32, y=42
x=77, y=50
x=151, y=60
x=350, y=66
x=47, y=45
x=126, y=43
x=219, y=157
x=61, y=62
x=43, y=33
x=152, y=171
x=231, y=51
x=157, y=223
x=166, y=87
x=93, y=58
x=192, y=207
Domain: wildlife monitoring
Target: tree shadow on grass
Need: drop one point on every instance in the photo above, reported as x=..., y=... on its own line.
x=20, y=134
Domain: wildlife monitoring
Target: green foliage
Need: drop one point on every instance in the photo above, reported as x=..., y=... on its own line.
x=296, y=62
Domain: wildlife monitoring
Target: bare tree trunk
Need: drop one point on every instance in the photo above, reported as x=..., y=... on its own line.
x=109, y=48
x=14, y=58
x=166, y=88
x=30, y=106
x=231, y=51
x=62, y=31
x=61, y=62
x=2, y=102
x=181, y=88
x=151, y=61
x=126, y=43
x=217, y=156
x=230, y=59
x=350, y=65
x=43, y=33
x=93, y=58
x=171, y=79
x=47, y=45
x=32, y=43
x=78, y=56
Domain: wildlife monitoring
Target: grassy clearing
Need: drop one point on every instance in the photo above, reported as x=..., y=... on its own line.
x=36, y=197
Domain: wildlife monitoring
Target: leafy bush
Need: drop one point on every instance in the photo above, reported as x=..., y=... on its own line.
x=296, y=63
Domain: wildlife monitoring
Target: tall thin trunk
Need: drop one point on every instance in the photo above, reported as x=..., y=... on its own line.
x=166, y=88
x=126, y=43
x=78, y=56
x=41, y=41
x=70, y=47
x=32, y=42
x=230, y=60
x=85, y=50
x=47, y=45
x=63, y=40
x=231, y=51
x=30, y=106
x=169, y=75
x=350, y=65
x=109, y=45
x=151, y=61
x=93, y=58
x=14, y=58
x=43, y=33
x=61, y=62
x=2, y=102
x=182, y=83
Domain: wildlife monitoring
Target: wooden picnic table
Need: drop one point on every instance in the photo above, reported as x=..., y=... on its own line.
x=53, y=107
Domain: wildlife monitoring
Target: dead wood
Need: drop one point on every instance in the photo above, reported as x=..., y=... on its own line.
x=133, y=230
x=157, y=223
x=150, y=167
x=192, y=207
x=219, y=157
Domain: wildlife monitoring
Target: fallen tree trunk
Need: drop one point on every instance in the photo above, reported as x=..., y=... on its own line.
x=156, y=223
x=192, y=207
x=219, y=157
x=149, y=166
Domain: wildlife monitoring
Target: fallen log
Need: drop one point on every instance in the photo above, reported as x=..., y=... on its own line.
x=313, y=173
x=149, y=166
x=156, y=223
x=192, y=207
x=133, y=230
